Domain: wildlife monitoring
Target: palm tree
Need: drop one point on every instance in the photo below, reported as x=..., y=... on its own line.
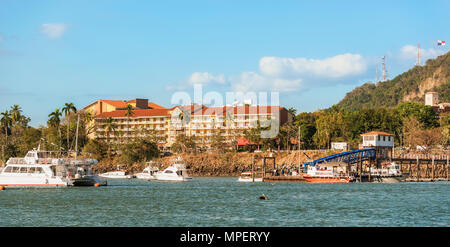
x=109, y=126
x=16, y=114
x=55, y=121
x=6, y=122
x=129, y=112
x=68, y=109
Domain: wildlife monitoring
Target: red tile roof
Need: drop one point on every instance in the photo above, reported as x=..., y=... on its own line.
x=155, y=106
x=244, y=142
x=150, y=104
x=136, y=113
x=204, y=110
x=116, y=103
x=377, y=133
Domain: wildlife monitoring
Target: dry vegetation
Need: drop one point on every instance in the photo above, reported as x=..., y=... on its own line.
x=215, y=164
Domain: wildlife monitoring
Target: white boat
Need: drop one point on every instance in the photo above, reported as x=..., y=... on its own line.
x=175, y=172
x=31, y=175
x=39, y=169
x=149, y=173
x=247, y=177
x=389, y=172
x=115, y=174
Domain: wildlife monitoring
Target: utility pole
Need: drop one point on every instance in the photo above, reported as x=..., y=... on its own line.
x=384, y=70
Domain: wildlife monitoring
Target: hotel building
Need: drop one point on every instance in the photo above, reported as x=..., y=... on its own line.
x=193, y=120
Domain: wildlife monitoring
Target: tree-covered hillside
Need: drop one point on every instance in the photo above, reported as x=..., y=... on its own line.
x=409, y=86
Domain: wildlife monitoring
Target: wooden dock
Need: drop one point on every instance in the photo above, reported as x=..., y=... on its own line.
x=424, y=167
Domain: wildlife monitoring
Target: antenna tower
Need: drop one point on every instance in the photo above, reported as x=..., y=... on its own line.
x=377, y=79
x=385, y=73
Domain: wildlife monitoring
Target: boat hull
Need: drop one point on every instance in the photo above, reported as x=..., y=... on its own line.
x=117, y=177
x=249, y=180
x=326, y=180
x=89, y=181
x=145, y=177
x=386, y=179
x=29, y=181
x=172, y=179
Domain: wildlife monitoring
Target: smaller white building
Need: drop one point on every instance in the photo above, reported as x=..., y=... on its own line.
x=339, y=145
x=432, y=99
x=377, y=139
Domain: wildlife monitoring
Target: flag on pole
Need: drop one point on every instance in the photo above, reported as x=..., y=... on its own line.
x=441, y=42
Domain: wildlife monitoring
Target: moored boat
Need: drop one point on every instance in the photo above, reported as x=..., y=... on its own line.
x=44, y=169
x=388, y=172
x=247, y=177
x=175, y=172
x=115, y=174
x=149, y=172
x=327, y=173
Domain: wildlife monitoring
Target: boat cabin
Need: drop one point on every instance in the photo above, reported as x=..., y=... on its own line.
x=330, y=169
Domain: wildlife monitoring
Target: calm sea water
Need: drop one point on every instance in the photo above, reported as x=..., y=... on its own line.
x=225, y=202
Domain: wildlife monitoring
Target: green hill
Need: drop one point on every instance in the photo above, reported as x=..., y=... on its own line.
x=410, y=86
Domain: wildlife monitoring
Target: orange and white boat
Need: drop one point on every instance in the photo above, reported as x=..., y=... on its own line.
x=326, y=173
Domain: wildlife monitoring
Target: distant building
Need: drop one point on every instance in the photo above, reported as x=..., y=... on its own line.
x=377, y=139
x=432, y=99
x=339, y=145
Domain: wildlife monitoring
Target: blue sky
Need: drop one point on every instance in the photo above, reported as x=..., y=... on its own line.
x=312, y=52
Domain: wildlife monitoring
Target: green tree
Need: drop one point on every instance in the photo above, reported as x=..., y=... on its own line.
x=218, y=142
x=16, y=114
x=423, y=113
x=68, y=109
x=129, y=112
x=55, y=121
x=139, y=150
x=109, y=127
x=97, y=148
x=184, y=143
x=6, y=123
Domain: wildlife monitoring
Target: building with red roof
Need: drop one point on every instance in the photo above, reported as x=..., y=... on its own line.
x=191, y=120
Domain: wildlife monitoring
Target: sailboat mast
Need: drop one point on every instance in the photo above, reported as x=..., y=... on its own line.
x=299, y=143
x=76, y=138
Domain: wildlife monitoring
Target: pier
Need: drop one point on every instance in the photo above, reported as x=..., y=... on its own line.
x=424, y=167
x=418, y=167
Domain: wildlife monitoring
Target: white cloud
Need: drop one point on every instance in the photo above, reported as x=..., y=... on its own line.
x=53, y=31
x=205, y=78
x=289, y=74
x=251, y=81
x=333, y=67
x=409, y=52
x=295, y=74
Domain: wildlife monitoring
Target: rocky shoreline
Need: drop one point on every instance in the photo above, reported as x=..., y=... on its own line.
x=225, y=164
